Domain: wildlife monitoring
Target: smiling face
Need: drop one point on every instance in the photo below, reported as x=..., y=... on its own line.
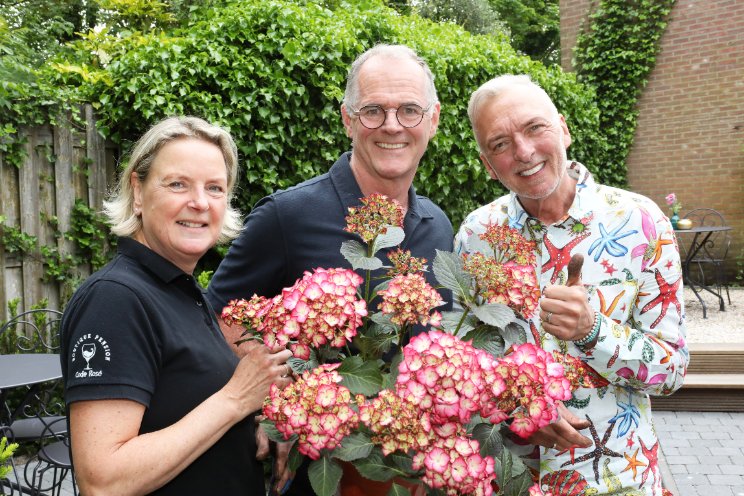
x=523, y=142
x=390, y=153
x=182, y=202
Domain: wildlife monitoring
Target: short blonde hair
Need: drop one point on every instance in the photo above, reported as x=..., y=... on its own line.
x=119, y=208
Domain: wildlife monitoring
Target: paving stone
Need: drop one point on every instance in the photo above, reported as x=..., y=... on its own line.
x=706, y=469
x=695, y=479
x=682, y=460
x=723, y=451
x=720, y=490
x=732, y=469
x=687, y=490
x=714, y=434
x=725, y=479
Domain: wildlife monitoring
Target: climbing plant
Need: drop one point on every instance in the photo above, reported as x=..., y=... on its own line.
x=615, y=56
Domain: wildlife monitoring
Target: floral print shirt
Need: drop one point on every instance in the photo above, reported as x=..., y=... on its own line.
x=633, y=276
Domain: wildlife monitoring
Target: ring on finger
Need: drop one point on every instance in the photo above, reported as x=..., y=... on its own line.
x=547, y=317
x=555, y=445
x=286, y=374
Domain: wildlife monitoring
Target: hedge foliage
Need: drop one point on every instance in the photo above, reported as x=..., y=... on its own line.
x=273, y=72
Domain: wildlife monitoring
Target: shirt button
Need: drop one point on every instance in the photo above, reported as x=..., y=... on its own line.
x=199, y=303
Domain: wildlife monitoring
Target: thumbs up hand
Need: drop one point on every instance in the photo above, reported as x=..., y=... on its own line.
x=564, y=310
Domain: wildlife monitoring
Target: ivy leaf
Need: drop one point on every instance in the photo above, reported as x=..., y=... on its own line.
x=448, y=270
x=495, y=314
x=393, y=236
x=360, y=377
x=353, y=447
x=324, y=474
x=356, y=254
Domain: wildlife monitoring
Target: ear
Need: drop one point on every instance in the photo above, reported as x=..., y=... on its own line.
x=434, y=120
x=566, y=132
x=490, y=170
x=136, y=192
x=346, y=118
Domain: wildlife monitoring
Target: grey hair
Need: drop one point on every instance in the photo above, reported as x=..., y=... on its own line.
x=496, y=87
x=119, y=208
x=351, y=95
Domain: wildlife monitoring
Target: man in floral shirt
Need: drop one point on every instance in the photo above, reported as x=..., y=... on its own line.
x=623, y=314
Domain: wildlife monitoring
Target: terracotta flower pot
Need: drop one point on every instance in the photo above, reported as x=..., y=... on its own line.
x=353, y=484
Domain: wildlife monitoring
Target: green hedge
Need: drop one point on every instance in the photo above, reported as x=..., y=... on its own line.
x=273, y=72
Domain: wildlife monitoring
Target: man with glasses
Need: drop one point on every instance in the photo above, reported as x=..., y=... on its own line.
x=390, y=111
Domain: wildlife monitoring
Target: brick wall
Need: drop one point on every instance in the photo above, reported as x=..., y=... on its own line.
x=690, y=134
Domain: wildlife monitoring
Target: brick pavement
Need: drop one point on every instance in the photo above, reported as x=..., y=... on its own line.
x=703, y=451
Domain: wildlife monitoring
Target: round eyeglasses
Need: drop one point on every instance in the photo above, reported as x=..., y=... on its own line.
x=373, y=116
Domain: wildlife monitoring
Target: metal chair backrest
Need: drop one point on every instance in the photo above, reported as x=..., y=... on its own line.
x=716, y=247
x=36, y=330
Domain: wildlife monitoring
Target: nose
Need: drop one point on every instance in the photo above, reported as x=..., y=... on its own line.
x=391, y=120
x=523, y=149
x=199, y=200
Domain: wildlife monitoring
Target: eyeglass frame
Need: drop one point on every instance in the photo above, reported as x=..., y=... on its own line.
x=424, y=111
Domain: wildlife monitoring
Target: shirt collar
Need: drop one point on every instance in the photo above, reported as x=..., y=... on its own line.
x=159, y=266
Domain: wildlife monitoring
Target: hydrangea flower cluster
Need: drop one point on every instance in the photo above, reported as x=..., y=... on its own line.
x=396, y=424
x=534, y=382
x=509, y=244
x=409, y=299
x=508, y=283
x=323, y=305
x=376, y=212
x=454, y=464
x=316, y=408
x=404, y=263
x=442, y=373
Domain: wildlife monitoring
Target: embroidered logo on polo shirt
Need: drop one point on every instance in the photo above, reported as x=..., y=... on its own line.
x=89, y=352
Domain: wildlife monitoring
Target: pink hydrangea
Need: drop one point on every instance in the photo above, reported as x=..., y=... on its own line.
x=442, y=373
x=324, y=306
x=316, y=408
x=454, y=465
x=321, y=308
x=396, y=424
x=534, y=382
x=507, y=283
x=409, y=299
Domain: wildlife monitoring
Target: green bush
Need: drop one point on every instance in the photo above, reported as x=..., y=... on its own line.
x=273, y=72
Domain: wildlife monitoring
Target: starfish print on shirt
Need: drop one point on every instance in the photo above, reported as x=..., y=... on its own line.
x=559, y=257
x=600, y=449
x=667, y=295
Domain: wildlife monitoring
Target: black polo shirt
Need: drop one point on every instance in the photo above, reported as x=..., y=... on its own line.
x=140, y=329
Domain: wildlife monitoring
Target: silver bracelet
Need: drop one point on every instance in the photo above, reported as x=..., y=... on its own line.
x=593, y=333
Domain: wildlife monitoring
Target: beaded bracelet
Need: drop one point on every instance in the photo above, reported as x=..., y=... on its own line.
x=592, y=334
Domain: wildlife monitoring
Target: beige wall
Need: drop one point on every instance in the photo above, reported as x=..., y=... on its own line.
x=690, y=134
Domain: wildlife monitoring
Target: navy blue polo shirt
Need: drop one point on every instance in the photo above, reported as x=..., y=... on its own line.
x=302, y=228
x=140, y=329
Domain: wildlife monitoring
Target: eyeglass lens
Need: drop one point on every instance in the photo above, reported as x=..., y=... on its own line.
x=373, y=116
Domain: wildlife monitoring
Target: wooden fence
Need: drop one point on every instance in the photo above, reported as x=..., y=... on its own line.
x=62, y=164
